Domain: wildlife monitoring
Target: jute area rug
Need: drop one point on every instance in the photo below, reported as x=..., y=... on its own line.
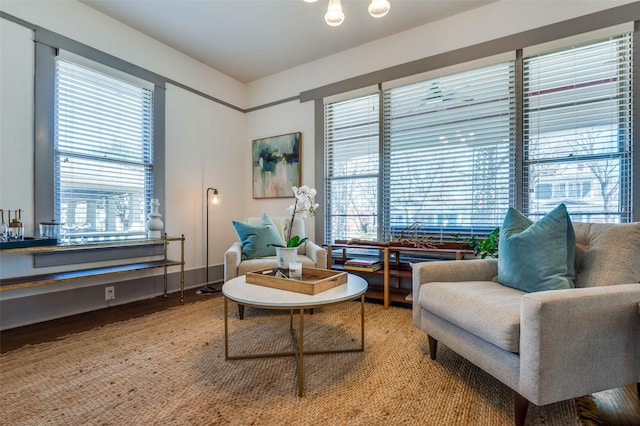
x=169, y=368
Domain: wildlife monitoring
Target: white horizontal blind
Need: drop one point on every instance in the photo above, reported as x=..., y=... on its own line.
x=103, y=152
x=449, y=150
x=578, y=130
x=352, y=170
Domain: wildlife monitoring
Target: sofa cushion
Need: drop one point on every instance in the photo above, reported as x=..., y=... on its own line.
x=485, y=308
x=607, y=254
x=537, y=256
x=258, y=240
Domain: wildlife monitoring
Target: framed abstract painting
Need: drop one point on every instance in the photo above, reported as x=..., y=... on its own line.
x=276, y=165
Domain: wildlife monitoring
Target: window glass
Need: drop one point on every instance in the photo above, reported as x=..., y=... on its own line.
x=449, y=153
x=577, y=130
x=103, y=152
x=352, y=168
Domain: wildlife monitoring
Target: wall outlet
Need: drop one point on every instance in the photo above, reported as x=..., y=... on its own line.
x=109, y=293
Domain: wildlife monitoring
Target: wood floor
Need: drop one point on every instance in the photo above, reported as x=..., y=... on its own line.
x=618, y=407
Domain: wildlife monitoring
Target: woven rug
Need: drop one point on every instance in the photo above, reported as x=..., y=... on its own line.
x=169, y=368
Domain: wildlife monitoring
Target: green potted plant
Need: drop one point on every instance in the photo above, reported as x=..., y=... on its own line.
x=488, y=246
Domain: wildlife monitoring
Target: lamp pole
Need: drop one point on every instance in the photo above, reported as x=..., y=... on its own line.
x=215, y=201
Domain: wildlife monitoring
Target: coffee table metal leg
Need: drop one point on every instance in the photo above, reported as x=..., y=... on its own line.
x=297, y=343
x=301, y=351
x=226, y=330
x=362, y=323
x=298, y=349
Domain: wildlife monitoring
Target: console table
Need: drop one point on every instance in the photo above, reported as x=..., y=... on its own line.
x=56, y=277
x=391, y=269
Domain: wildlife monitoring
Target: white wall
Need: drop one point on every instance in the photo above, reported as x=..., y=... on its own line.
x=285, y=118
x=16, y=121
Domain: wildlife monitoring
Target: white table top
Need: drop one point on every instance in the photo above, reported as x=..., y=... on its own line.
x=239, y=291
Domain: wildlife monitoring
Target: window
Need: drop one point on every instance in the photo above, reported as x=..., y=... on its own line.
x=103, y=151
x=99, y=140
x=449, y=153
x=352, y=168
x=455, y=149
x=577, y=130
x=447, y=158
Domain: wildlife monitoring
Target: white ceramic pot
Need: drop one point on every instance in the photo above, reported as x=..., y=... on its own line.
x=286, y=255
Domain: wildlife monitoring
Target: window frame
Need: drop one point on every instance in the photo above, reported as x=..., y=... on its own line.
x=47, y=47
x=615, y=38
x=503, y=92
x=372, y=173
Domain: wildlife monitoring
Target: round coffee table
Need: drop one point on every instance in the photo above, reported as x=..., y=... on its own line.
x=238, y=290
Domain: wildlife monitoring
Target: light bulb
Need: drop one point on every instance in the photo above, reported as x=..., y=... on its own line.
x=334, y=15
x=379, y=8
x=215, y=199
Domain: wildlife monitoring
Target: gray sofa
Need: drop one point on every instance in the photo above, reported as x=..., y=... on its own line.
x=546, y=346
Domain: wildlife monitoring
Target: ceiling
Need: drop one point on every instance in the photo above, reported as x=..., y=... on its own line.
x=251, y=39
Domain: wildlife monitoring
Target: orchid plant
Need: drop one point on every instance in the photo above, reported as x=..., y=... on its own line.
x=305, y=206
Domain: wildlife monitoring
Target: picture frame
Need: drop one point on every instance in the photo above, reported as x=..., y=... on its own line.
x=277, y=165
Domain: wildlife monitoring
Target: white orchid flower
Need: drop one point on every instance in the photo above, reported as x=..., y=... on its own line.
x=305, y=206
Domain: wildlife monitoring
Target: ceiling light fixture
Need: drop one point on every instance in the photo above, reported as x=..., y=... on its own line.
x=335, y=16
x=379, y=8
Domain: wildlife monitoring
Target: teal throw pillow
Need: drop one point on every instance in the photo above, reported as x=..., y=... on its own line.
x=257, y=239
x=537, y=256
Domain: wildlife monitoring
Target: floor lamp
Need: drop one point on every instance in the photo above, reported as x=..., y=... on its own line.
x=214, y=203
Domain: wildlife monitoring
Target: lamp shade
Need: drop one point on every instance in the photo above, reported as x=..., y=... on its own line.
x=334, y=15
x=215, y=199
x=379, y=8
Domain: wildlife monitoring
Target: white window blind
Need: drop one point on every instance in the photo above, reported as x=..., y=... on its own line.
x=352, y=169
x=103, y=152
x=578, y=130
x=449, y=150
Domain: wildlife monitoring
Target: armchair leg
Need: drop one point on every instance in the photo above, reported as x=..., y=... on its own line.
x=241, y=311
x=433, y=347
x=520, y=407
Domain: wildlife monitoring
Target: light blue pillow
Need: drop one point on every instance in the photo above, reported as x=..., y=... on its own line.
x=257, y=239
x=537, y=256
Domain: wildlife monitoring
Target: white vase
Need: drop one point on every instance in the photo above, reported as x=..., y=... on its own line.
x=154, y=225
x=286, y=255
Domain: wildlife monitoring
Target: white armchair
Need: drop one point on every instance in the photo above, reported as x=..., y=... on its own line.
x=310, y=254
x=547, y=346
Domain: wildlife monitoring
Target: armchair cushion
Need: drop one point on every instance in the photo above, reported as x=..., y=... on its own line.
x=258, y=240
x=537, y=256
x=487, y=309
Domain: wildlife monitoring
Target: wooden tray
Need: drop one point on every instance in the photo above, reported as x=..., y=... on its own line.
x=313, y=280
